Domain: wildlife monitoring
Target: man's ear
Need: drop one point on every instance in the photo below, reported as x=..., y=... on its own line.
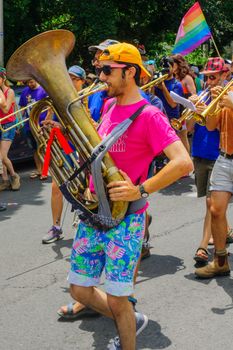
x=131, y=72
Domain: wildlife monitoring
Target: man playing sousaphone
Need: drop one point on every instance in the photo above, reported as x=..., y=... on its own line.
x=117, y=250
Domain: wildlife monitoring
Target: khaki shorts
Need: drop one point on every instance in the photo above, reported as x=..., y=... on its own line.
x=222, y=175
x=203, y=169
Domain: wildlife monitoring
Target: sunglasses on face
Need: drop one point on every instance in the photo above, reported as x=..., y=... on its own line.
x=107, y=69
x=211, y=77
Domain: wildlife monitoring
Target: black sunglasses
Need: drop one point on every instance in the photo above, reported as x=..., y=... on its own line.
x=211, y=77
x=107, y=69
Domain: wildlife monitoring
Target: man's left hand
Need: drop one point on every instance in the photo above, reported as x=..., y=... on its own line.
x=123, y=190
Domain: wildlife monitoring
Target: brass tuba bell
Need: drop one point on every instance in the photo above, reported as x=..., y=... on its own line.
x=43, y=58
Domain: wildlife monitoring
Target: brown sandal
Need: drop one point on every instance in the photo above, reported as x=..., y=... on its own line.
x=201, y=255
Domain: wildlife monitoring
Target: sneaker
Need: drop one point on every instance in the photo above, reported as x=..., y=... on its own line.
x=15, y=182
x=115, y=345
x=5, y=185
x=141, y=323
x=54, y=234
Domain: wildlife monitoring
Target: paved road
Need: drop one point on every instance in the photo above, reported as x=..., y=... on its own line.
x=185, y=313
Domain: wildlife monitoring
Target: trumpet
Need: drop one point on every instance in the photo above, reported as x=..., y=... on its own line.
x=154, y=82
x=213, y=108
x=188, y=114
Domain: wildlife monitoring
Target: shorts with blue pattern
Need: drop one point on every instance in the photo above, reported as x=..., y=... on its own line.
x=116, y=252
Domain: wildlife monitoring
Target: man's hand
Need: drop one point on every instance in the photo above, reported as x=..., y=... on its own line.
x=123, y=190
x=194, y=98
x=161, y=85
x=51, y=123
x=200, y=107
x=226, y=101
x=215, y=91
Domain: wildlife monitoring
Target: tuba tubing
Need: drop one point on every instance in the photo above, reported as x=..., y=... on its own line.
x=43, y=58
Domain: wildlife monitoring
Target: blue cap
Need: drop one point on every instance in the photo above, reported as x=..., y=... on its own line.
x=77, y=72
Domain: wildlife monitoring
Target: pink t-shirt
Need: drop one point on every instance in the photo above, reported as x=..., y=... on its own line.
x=145, y=138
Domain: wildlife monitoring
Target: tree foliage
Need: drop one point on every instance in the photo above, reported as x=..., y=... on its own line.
x=154, y=23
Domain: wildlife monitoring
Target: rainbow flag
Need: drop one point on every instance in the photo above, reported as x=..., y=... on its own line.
x=193, y=31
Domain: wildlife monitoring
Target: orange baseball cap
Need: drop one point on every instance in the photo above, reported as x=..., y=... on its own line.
x=124, y=52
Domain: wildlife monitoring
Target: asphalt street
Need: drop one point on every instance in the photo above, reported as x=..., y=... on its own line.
x=184, y=313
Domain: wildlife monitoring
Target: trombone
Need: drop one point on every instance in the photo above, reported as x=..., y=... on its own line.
x=18, y=111
x=188, y=114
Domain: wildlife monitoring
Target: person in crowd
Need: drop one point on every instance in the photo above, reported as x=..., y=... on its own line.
x=78, y=76
x=183, y=73
x=205, y=150
x=90, y=78
x=2, y=206
x=221, y=183
x=150, y=96
x=120, y=67
x=97, y=100
x=229, y=70
x=33, y=92
x=173, y=110
x=199, y=83
x=7, y=121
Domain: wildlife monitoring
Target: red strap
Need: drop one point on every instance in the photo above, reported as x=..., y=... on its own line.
x=63, y=143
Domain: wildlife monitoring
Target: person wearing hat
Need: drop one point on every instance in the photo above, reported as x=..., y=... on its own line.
x=91, y=78
x=117, y=250
x=7, y=103
x=78, y=76
x=97, y=100
x=205, y=150
x=221, y=185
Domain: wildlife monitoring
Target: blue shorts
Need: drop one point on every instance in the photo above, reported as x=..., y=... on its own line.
x=116, y=252
x=7, y=135
x=222, y=175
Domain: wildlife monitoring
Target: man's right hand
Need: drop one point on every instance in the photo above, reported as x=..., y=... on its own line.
x=216, y=91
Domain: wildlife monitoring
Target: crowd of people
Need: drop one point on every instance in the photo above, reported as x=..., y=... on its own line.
x=151, y=155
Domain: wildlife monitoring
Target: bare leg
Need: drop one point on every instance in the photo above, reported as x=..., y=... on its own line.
x=219, y=204
x=125, y=320
x=4, y=149
x=207, y=226
x=183, y=135
x=117, y=308
x=56, y=204
x=92, y=297
x=37, y=162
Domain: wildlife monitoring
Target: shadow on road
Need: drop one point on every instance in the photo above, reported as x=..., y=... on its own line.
x=59, y=245
x=29, y=194
x=225, y=282
x=160, y=265
x=183, y=185
x=103, y=330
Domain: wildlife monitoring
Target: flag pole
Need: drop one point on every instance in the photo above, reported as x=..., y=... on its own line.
x=215, y=46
